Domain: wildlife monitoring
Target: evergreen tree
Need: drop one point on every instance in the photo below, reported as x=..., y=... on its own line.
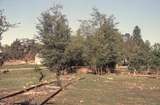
x=140, y=58
x=105, y=42
x=137, y=38
x=156, y=56
x=127, y=48
x=75, y=51
x=54, y=34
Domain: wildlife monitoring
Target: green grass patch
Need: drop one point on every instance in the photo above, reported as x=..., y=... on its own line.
x=93, y=90
x=20, y=66
x=18, y=79
x=111, y=90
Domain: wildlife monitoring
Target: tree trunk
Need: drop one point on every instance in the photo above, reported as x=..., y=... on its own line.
x=101, y=70
x=95, y=68
x=148, y=69
x=98, y=71
x=58, y=75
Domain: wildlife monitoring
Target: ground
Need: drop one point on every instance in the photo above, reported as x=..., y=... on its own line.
x=112, y=90
x=108, y=89
x=20, y=76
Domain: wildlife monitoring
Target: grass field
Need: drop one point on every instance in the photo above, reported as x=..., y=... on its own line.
x=19, y=66
x=112, y=90
x=17, y=79
x=93, y=90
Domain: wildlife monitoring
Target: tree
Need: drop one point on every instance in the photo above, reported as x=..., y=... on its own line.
x=54, y=34
x=127, y=48
x=156, y=56
x=75, y=51
x=30, y=49
x=104, y=43
x=140, y=56
x=147, y=50
x=4, y=24
x=6, y=50
x=137, y=38
x=16, y=50
x=22, y=49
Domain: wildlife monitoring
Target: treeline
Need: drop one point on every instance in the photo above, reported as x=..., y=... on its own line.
x=21, y=49
x=97, y=44
x=139, y=55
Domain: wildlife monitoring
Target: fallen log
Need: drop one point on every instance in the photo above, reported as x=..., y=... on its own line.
x=149, y=76
x=48, y=98
x=58, y=91
x=26, y=90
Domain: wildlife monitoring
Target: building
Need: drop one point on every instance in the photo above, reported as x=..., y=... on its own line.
x=38, y=59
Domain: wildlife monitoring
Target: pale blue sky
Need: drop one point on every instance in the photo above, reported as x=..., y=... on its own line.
x=145, y=13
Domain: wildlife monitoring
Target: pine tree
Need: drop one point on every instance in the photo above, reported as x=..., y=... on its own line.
x=140, y=55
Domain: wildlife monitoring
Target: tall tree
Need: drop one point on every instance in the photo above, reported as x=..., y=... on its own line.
x=140, y=54
x=22, y=49
x=156, y=56
x=75, y=51
x=104, y=44
x=112, y=44
x=127, y=47
x=30, y=49
x=54, y=34
x=16, y=50
x=4, y=24
x=137, y=38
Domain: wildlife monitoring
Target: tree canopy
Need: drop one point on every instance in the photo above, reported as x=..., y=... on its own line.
x=54, y=34
x=4, y=23
x=97, y=43
x=104, y=42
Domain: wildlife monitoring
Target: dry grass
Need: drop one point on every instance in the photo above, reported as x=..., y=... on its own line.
x=112, y=90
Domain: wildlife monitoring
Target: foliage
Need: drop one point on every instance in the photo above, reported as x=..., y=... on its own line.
x=139, y=51
x=98, y=43
x=75, y=51
x=16, y=50
x=54, y=34
x=104, y=42
x=156, y=56
x=21, y=49
x=4, y=24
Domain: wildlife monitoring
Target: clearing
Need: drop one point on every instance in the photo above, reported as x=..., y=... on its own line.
x=108, y=89
x=112, y=90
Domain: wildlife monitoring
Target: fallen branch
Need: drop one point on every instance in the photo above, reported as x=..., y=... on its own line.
x=58, y=91
x=26, y=90
x=48, y=98
x=149, y=76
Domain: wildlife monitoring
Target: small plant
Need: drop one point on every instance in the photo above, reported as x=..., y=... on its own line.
x=39, y=70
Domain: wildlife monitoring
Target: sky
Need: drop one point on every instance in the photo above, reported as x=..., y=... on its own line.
x=129, y=13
